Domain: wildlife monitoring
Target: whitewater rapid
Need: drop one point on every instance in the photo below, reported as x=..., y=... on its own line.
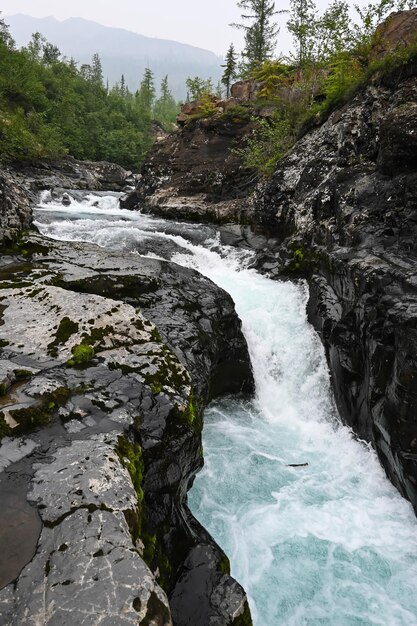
x=314, y=531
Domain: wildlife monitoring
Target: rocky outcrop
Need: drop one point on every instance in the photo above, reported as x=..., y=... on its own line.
x=70, y=174
x=100, y=414
x=342, y=205
x=195, y=174
x=397, y=31
x=15, y=209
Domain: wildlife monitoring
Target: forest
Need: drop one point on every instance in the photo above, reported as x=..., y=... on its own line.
x=50, y=107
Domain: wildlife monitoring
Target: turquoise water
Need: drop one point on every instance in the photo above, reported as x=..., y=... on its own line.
x=328, y=543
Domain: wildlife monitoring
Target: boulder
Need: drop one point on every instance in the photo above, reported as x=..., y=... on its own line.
x=245, y=90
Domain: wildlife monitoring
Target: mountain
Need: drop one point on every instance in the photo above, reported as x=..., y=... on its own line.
x=121, y=51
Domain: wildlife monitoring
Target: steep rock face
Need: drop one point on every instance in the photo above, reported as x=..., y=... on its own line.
x=343, y=205
x=114, y=421
x=194, y=174
x=398, y=30
x=15, y=210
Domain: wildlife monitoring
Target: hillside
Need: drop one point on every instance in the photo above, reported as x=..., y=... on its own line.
x=121, y=51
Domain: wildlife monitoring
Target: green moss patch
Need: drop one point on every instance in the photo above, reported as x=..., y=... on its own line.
x=66, y=329
x=81, y=354
x=130, y=455
x=22, y=374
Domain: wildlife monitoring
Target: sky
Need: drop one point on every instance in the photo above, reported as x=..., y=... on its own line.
x=202, y=23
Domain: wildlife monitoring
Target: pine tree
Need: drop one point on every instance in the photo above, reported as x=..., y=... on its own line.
x=230, y=69
x=96, y=70
x=260, y=35
x=122, y=86
x=146, y=93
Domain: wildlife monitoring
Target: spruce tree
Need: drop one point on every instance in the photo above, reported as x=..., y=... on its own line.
x=97, y=70
x=146, y=93
x=165, y=109
x=260, y=34
x=230, y=69
x=122, y=86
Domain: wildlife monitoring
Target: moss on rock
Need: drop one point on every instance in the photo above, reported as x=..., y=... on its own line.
x=81, y=354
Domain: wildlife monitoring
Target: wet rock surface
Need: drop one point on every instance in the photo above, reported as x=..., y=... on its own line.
x=341, y=206
x=15, y=209
x=106, y=364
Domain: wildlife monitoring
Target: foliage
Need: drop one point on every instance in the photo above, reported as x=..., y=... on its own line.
x=146, y=94
x=198, y=86
x=207, y=107
x=81, y=354
x=260, y=34
x=165, y=109
x=331, y=61
x=49, y=107
x=267, y=144
x=272, y=75
x=229, y=69
x=302, y=26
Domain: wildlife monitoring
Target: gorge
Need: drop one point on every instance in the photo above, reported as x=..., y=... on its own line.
x=196, y=315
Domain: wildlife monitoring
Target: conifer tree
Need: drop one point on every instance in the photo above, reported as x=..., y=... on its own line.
x=146, y=93
x=97, y=70
x=51, y=53
x=165, y=109
x=122, y=86
x=230, y=69
x=260, y=34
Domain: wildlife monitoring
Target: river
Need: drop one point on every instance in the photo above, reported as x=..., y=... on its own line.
x=314, y=531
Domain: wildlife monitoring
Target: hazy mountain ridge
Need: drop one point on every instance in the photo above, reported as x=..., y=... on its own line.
x=121, y=51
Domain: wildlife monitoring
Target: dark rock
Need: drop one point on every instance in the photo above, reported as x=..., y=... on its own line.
x=196, y=175
x=342, y=204
x=15, y=210
x=68, y=173
x=66, y=200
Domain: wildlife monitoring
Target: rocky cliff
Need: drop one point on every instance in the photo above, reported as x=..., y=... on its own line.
x=342, y=205
x=196, y=174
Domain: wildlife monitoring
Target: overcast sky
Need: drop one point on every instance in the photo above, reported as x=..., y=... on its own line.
x=202, y=23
